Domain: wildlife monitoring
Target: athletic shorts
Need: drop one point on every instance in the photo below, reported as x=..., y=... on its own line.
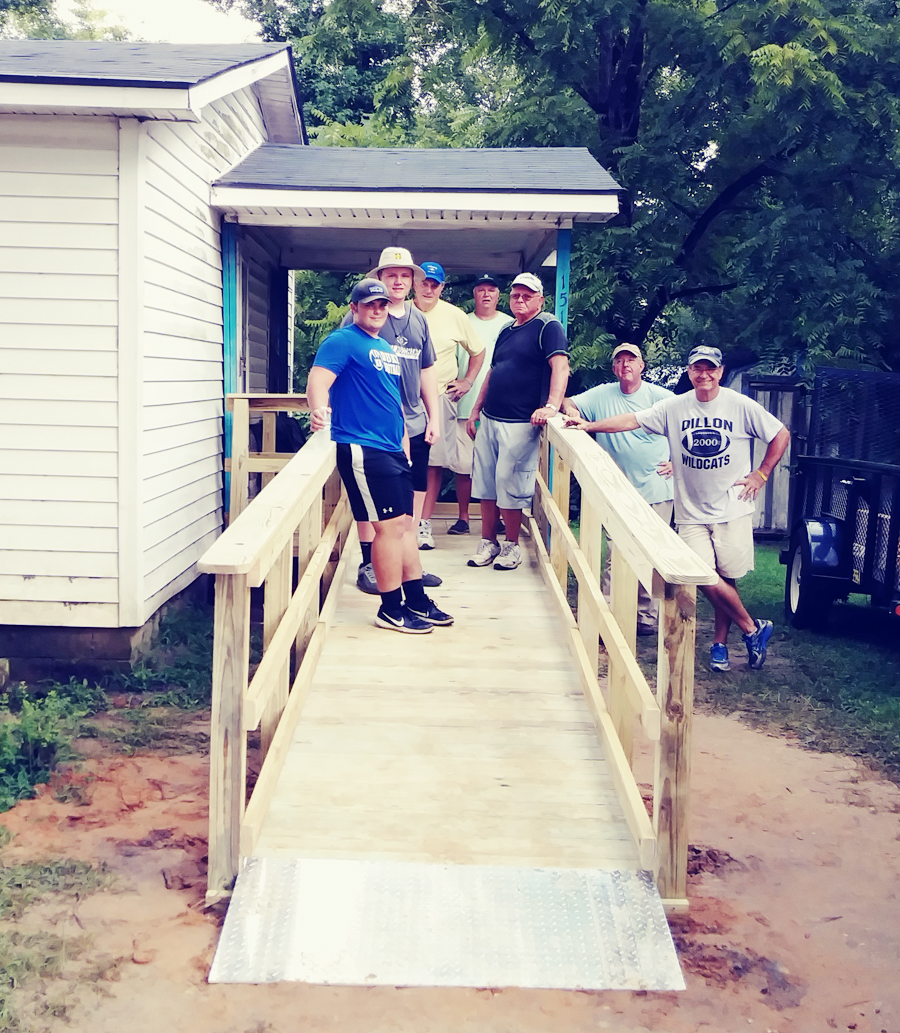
x=727, y=548
x=379, y=484
x=465, y=450
x=443, y=451
x=418, y=457
x=506, y=461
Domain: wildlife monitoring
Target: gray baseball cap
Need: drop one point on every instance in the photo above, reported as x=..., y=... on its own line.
x=704, y=352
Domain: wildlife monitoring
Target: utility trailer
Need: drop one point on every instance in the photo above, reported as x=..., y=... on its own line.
x=845, y=498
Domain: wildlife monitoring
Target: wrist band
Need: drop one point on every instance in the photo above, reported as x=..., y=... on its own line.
x=764, y=476
x=550, y=405
x=466, y=379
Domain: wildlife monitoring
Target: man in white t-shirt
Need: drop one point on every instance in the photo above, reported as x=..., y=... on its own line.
x=487, y=323
x=710, y=430
x=450, y=331
x=642, y=457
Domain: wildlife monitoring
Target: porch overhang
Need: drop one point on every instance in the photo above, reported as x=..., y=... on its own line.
x=475, y=210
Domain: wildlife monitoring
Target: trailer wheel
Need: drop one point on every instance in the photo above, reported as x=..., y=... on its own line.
x=807, y=598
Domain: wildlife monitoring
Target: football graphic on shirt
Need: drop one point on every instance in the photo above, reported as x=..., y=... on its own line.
x=705, y=442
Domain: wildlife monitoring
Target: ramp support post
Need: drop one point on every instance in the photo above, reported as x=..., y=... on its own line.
x=675, y=695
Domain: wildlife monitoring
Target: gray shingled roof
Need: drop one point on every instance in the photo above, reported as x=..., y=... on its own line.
x=554, y=170
x=80, y=62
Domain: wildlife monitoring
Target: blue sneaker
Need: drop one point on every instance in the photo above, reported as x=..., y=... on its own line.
x=718, y=657
x=756, y=643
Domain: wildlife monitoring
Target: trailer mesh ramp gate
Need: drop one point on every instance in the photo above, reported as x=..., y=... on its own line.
x=389, y=923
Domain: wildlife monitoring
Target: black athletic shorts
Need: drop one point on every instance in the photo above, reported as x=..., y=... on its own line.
x=418, y=457
x=379, y=484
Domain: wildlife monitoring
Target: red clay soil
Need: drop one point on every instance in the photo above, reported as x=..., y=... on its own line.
x=794, y=923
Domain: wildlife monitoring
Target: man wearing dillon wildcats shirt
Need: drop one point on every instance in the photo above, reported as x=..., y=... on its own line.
x=710, y=430
x=355, y=379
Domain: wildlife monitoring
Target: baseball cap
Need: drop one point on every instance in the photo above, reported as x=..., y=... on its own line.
x=704, y=352
x=486, y=279
x=530, y=281
x=632, y=349
x=397, y=258
x=433, y=271
x=369, y=290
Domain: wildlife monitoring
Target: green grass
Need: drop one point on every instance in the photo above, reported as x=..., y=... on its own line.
x=28, y=956
x=835, y=691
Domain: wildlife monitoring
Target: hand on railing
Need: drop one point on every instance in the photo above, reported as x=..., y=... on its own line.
x=576, y=423
x=320, y=418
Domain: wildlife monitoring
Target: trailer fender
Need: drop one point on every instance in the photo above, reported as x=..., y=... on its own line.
x=829, y=552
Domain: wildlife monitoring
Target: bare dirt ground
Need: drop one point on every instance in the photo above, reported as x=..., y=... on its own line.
x=794, y=924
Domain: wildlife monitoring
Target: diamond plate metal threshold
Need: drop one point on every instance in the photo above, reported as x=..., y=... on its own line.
x=390, y=923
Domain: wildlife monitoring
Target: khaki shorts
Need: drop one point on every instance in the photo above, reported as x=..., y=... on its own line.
x=443, y=452
x=727, y=548
x=465, y=450
x=506, y=462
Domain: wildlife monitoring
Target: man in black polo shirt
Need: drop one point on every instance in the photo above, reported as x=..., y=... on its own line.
x=524, y=388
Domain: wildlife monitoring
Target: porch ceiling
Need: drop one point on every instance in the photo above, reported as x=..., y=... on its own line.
x=474, y=210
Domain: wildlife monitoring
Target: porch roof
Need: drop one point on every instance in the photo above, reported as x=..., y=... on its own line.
x=475, y=209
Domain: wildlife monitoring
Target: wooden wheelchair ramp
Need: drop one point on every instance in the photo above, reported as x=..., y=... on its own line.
x=446, y=814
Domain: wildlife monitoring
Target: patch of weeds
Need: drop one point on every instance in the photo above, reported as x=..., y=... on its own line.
x=26, y=957
x=34, y=733
x=22, y=885
x=178, y=669
x=158, y=728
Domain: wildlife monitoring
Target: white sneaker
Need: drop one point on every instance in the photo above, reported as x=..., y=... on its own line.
x=510, y=557
x=486, y=552
x=424, y=535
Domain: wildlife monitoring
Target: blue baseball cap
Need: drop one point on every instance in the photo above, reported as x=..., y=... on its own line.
x=433, y=271
x=704, y=352
x=369, y=290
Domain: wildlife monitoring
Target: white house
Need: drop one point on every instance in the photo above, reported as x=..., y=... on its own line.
x=153, y=199
x=111, y=318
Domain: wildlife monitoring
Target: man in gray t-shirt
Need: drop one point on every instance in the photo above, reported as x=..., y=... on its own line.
x=709, y=431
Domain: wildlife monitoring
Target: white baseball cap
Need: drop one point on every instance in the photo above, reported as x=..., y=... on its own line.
x=530, y=281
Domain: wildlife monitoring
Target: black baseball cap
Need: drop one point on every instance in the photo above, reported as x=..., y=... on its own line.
x=369, y=290
x=486, y=278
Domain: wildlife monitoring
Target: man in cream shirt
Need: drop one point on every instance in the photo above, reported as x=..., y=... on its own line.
x=449, y=330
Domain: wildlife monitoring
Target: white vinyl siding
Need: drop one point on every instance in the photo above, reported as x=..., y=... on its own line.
x=259, y=256
x=182, y=359
x=58, y=368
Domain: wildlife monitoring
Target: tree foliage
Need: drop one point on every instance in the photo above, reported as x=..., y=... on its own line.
x=756, y=142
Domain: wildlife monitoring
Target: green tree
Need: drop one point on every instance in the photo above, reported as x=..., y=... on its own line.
x=346, y=54
x=40, y=19
x=756, y=142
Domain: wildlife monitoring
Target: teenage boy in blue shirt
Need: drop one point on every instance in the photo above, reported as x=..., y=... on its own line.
x=355, y=379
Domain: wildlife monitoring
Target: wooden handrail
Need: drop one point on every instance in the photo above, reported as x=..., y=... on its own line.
x=299, y=518
x=646, y=550
x=252, y=541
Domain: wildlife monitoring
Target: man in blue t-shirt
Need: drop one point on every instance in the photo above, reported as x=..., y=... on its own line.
x=355, y=379
x=638, y=454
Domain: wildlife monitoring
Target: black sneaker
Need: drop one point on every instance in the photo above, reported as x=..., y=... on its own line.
x=407, y=622
x=431, y=580
x=431, y=614
x=460, y=527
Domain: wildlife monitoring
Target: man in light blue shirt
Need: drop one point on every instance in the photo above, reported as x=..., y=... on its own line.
x=638, y=454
